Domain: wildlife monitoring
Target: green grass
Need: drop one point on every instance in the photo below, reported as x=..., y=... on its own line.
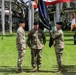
x=8, y=58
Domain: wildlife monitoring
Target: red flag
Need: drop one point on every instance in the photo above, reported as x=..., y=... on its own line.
x=49, y=2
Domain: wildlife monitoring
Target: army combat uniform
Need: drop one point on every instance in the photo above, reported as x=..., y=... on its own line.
x=58, y=37
x=21, y=43
x=36, y=40
x=74, y=37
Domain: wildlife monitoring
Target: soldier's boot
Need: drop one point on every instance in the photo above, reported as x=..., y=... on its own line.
x=38, y=69
x=19, y=70
x=34, y=69
x=60, y=68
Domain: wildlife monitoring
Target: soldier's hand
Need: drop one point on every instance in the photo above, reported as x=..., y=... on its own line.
x=22, y=49
x=30, y=48
x=50, y=31
x=42, y=46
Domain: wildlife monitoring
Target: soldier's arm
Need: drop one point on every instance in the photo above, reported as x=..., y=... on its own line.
x=20, y=37
x=28, y=39
x=55, y=34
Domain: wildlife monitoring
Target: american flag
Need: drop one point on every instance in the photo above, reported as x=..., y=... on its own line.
x=49, y=2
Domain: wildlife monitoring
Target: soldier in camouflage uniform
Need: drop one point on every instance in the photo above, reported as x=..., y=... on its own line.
x=74, y=38
x=58, y=38
x=36, y=40
x=21, y=44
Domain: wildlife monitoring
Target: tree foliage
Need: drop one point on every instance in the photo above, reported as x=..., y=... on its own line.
x=20, y=9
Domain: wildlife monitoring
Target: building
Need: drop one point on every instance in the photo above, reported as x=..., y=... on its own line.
x=14, y=18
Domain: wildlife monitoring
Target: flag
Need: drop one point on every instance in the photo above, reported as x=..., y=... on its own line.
x=49, y=2
x=43, y=14
x=44, y=18
x=73, y=21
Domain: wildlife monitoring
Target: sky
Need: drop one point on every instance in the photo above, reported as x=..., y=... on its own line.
x=25, y=0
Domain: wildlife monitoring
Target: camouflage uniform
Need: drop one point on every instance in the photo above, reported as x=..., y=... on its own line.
x=59, y=45
x=21, y=43
x=74, y=38
x=36, y=40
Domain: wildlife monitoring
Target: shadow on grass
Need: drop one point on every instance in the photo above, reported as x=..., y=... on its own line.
x=69, y=44
x=67, y=69
x=8, y=35
x=68, y=39
x=13, y=69
x=5, y=70
x=64, y=39
x=41, y=71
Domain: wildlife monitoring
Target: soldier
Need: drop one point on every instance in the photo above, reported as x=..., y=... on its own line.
x=58, y=38
x=21, y=44
x=36, y=41
x=74, y=38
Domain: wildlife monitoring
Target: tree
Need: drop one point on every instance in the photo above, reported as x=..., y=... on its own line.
x=20, y=9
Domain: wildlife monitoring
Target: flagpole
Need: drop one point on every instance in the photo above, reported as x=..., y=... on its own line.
x=29, y=15
x=10, y=17
x=68, y=15
x=32, y=18
x=57, y=12
x=3, y=18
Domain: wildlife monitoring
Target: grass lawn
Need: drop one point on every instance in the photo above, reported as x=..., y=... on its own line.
x=8, y=58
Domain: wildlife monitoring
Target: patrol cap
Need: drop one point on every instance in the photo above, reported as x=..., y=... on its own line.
x=59, y=23
x=21, y=21
x=35, y=23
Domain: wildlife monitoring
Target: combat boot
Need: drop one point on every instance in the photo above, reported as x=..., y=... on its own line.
x=19, y=70
x=34, y=70
x=38, y=69
x=60, y=69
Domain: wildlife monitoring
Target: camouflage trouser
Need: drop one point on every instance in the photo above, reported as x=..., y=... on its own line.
x=20, y=58
x=36, y=55
x=74, y=41
x=59, y=57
